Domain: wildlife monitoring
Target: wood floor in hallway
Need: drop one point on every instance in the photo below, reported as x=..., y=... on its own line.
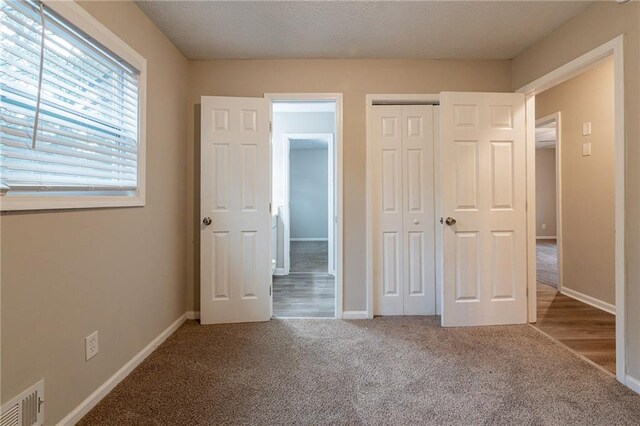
x=587, y=330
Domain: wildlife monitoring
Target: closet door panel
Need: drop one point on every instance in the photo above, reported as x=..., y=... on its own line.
x=418, y=210
x=388, y=238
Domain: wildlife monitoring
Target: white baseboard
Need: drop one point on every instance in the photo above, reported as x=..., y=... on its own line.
x=85, y=406
x=193, y=315
x=632, y=383
x=280, y=272
x=597, y=303
x=308, y=239
x=354, y=315
x=552, y=237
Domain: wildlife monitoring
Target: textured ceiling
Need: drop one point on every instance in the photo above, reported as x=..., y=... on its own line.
x=357, y=29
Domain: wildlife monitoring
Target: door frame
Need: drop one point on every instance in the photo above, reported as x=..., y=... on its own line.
x=400, y=99
x=331, y=225
x=339, y=186
x=611, y=49
x=556, y=117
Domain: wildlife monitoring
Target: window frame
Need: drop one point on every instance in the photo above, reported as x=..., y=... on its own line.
x=50, y=200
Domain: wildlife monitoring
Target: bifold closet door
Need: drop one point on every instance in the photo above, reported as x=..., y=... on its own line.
x=403, y=213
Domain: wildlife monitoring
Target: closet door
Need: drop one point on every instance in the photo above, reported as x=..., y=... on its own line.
x=403, y=213
x=388, y=261
x=418, y=213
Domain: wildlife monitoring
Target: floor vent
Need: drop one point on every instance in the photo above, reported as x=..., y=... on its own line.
x=26, y=409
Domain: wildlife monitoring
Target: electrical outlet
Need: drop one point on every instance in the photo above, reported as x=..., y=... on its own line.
x=91, y=345
x=586, y=128
x=544, y=226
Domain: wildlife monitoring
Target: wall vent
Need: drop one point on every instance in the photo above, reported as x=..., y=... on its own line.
x=27, y=409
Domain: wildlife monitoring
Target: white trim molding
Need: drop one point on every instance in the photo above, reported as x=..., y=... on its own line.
x=193, y=315
x=633, y=383
x=85, y=406
x=615, y=49
x=308, y=239
x=543, y=237
x=355, y=315
x=589, y=300
x=280, y=272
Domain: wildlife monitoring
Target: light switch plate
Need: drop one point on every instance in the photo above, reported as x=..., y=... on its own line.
x=586, y=149
x=586, y=128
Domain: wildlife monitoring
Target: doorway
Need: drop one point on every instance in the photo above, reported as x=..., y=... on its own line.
x=575, y=214
x=305, y=200
x=548, y=203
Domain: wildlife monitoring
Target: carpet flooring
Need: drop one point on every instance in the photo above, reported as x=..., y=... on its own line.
x=547, y=262
x=304, y=295
x=309, y=256
x=390, y=370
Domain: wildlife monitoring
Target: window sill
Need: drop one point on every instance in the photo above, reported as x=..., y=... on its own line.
x=53, y=202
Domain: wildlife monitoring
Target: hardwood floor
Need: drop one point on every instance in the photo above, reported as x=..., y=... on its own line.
x=587, y=330
x=309, y=256
x=304, y=295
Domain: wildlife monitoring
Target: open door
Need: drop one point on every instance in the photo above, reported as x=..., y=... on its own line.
x=235, y=271
x=483, y=208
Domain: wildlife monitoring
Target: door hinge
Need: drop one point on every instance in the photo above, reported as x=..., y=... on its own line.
x=269, y=290
x=271, y=126
x=270, y=212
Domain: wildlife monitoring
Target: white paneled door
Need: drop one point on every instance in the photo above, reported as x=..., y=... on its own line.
x=403, y=210
x=235, y=195
x=483, y=207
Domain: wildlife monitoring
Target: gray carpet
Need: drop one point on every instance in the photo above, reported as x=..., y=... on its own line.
x=547, y=262
x=309, y=256
x=393, y=370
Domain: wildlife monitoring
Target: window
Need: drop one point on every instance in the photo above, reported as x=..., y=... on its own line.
x=70, y=112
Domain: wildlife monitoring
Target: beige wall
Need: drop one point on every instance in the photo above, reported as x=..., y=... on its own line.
x=598, y=24
x=546, y=192
x=588, y=183
x=353, y=78
x=119, y=271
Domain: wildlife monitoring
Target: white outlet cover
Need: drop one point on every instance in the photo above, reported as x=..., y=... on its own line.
x=544, y=226
x=91, y=345
x=586, y=149
x=586, y=128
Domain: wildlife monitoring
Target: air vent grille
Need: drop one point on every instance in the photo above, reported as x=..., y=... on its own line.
x=27, y=409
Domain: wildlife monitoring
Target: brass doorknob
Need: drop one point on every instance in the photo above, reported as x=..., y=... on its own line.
x=450, y=221
x=207, y=221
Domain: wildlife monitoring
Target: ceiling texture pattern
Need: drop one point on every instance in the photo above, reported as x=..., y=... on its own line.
x=357, y=29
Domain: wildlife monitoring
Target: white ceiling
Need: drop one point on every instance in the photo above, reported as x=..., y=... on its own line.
x=357, y=29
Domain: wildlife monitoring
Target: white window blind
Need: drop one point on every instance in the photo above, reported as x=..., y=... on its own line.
x=82, y=105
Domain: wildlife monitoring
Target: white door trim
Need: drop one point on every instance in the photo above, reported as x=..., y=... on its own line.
x=613, y=48
x=370, y=100
x=557, y=118
x=339, y=221
x=327, y=137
